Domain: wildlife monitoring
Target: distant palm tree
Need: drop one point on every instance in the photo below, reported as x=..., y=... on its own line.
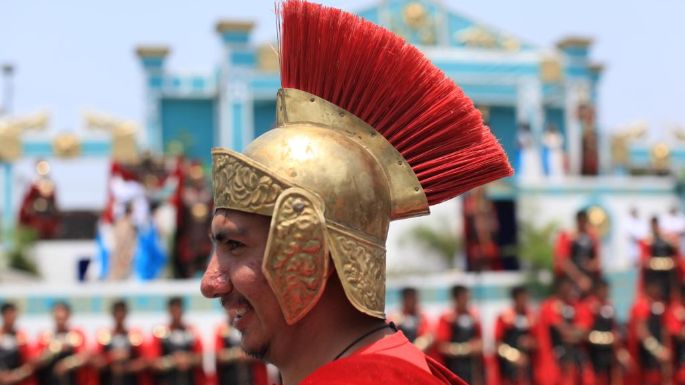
x=536, y=247
x=442, y=241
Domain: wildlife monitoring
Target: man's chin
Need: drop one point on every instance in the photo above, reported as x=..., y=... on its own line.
x=258, y=353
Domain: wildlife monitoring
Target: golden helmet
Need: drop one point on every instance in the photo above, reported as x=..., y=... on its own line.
x=360, y=139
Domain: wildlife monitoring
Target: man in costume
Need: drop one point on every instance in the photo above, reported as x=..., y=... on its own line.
x=459, y=339
x=605, y=349
x=14, y=349
x=661, y=261
x=648, y=337
x=411, y=321
x=176, y=350
x=368, y=130
x=38, y=209
x=193, y=218
x=61, y=355
x=515, y=341
x=577, y=255
x=233, y=365
x=119, y=354
x=675, y=326
x=481, y=232
x=561, y=336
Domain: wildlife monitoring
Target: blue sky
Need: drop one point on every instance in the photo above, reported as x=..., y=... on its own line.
x=73, y=55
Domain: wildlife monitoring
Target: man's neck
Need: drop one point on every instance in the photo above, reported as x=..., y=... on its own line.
x=325, y=333
x=120, y=328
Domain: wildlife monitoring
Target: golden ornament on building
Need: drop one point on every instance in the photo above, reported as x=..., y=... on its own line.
x=124, y=143
x=66, y=145
x=551, y=70
x=511, y=44
x=267, y=59
x=11, y=147
x=477, y=36
x=415, y=15
x=11, y=130
x=660, y=155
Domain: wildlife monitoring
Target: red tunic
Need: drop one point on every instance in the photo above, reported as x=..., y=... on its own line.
x=56, y=347
x=603, y=340
x=462, y=328
x=165, y=344
x=558, y=362
x=391, y=360
x=668, y=275
x=15, y=352
x=230, y=373
x=38, y=209
x=675, y=325
x=648, y=369
x=510, y=328
x=109, y=344
x=564, y=250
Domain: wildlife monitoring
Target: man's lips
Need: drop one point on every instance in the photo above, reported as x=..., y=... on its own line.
x=237, y=308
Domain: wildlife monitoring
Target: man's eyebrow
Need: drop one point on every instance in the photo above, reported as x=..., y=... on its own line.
x=224, y=235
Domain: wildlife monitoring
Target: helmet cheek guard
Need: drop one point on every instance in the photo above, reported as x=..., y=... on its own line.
x=296, y=262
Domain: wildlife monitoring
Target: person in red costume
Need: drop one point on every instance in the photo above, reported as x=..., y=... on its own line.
x=15, y=367
x=660, y=261
x=515, y=341
x=119, y=352
x=176, y=350
x=38, y=208
x=576, y=255
x=605, y=350
x=233, y=365
x=561, y=335
x=61, y=356
x=459, y=339
x=192, y=246
x=648, y=337
x=368, y=130
x=411, y=321
x=675, y=326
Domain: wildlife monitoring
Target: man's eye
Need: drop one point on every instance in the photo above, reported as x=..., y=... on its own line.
x=233, y=245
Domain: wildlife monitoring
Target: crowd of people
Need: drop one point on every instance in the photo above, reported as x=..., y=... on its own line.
x=121, y=355
x=574, y=337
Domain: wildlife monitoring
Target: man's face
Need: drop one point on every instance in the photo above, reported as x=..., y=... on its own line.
x=462, y=300
x=234, y=275
x=119, y=315
x=409, y=302
x=61, y=316
x=602, y=293
x=521, y=300
x=176, y=313
x=9, y=317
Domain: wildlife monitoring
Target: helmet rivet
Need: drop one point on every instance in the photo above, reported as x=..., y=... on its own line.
x=298, y=206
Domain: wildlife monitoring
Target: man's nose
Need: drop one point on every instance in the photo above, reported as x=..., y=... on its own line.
x=215, y=281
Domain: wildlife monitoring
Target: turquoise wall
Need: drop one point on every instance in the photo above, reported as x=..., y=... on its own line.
x=503, y=124
x=191, y=121
x=264, y=112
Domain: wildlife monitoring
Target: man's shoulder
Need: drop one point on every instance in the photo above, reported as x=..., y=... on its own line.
x=368, y=369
